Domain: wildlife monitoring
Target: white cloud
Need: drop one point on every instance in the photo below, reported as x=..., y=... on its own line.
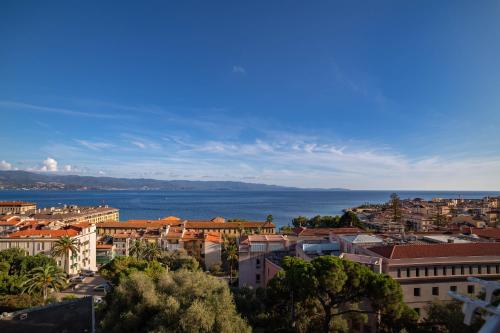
x=67, y=168
x=49, y=164
x=138, y=144
x=94, y=145
x=101, y=172
x=239, y=69
x=4, y=165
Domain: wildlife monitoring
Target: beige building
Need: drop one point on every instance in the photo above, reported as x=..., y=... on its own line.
x=78, y=214
x=16, y=207
x=36, y=241
x=426, y=272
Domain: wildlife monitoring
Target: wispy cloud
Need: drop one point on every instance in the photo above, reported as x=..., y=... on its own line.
x=237, y=69
x=7, y=105
x=94, y=145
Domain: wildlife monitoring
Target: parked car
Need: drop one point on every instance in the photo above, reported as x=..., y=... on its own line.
x=101, y=287
x=77, y=279
x=98, y=300
x=87, y=273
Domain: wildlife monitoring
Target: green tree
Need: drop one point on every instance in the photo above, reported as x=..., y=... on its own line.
x=440, y=219
x=179, y=260
x=62, y=247
x=40, y=279
x=300, y=221
x=151, y=251
x=269, y=218
x=121, y=267
x=180, y=301
x=350, y=219
x=137, y=249
x=448, y=318
x=327, y=289
x=231, y=255
x=395, y=205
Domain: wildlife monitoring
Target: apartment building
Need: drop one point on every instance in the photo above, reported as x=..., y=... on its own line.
x=204, y=246
x=218, y=224
x=70, y=214
x=36, y=241
x=254, y=251
x=426, y=272
x=16, y=207
x=231, y=228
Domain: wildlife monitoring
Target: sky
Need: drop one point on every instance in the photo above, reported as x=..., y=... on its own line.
x=353, y=94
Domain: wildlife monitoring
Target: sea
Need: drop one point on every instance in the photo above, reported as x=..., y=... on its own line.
x=247, y=205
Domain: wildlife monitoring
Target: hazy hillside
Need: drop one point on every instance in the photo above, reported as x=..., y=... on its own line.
x=31, y=180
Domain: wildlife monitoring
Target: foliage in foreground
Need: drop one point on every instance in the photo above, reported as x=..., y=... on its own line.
x=326, y=294
x=180, y=301
x=16, y=267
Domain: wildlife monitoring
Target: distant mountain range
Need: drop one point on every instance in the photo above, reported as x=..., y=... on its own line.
x=38, y=181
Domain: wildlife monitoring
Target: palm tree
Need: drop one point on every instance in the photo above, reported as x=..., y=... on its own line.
x=152, y=251
x=231, y=253
x=64, y=245
x=137, y=249
x=40, y=279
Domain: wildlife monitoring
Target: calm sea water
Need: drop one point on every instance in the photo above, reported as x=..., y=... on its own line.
x=253, y=205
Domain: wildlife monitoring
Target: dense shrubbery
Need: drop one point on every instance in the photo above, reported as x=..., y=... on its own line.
x=20, y=285
x=348, y=219
x=326, y=294
x=175, y=301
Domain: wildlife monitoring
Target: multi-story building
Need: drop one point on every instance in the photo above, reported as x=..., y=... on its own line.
x=254, y=250
x=218, y=224
x=70, y=214
x=426, y=272
x=16, y=207
x=206, y=247
x=36, y=241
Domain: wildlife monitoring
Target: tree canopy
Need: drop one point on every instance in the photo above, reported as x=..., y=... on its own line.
x=181, y=301
x=348, y=219
x=323, y=293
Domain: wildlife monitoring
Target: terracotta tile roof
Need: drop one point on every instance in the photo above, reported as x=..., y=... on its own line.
x=43, y=233
x=138, y=224
x=437, y=250
x=266, y=238
x=16, y=203
x=489, y=233
x=302, y=231
x=191, y=224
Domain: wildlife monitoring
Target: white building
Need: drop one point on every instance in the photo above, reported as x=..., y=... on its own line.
x=36, y=241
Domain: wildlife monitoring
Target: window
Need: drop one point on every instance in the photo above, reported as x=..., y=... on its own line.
x=416, y=291
x=417, y=271
x=462, y=270
x=497, y=267
x=479, y=269
x=470, y=289
x=399, y=272
x=435, y=271
x=488, y=270
x=453, y=288
x=444, y=270
x=426, y=271
x=435, y=291
x=408, y=272
x=257, y=263
x=470, y=269
x=453, y=270
x=257, y=278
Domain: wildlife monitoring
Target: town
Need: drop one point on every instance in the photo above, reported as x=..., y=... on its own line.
x=428, y=247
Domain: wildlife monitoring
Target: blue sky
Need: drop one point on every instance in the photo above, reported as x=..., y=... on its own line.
x=364, y=95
